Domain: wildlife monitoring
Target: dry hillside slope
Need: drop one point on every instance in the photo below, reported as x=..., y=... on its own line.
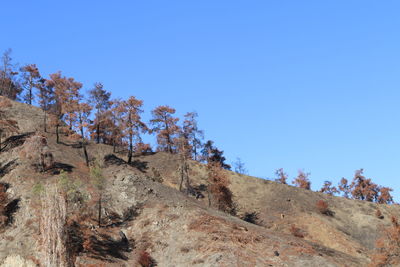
x=147, y=218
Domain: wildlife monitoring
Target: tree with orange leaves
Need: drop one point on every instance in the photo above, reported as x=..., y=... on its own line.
x=384, y=196
x=165, y=125
x=66, y=91
x=363, y=188
x=302, y=180
x=131, y=123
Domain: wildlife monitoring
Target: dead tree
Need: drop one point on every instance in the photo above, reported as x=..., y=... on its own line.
x=53, y=229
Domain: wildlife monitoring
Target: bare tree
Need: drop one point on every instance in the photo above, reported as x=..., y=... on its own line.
x=239, y=166
x=193, y=133
x=9, y=86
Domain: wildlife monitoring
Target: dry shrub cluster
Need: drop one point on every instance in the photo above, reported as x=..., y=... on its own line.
x=323, y=208
x=379, y=214
x=252, y=217
x=388, y=246
x=145, y=260
x=221, y=195
x=297, y=232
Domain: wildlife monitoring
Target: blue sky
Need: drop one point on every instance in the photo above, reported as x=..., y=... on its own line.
x=310, y=85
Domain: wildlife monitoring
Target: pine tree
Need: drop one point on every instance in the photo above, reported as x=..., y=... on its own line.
x=210, y=153
x=165, y=125
x=100, y=100
x=30, y=79
x=132, y=125
x=46, y=99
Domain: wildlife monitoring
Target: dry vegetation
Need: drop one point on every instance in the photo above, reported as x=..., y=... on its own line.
x=81, y=193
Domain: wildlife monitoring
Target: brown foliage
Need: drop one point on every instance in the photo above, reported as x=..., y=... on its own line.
x=9, y=86
x=384, y=196
x=379, y=214
x=344, y=188
x=218, y=187
x=281, y=176
x=323, y=207
x=388, y=246
x=165, y=125
x=297, y=232
x=130, y=122
x=3, y=203
x=145, y=260
x=7, y=127
x=363, y=188
x=302, y=180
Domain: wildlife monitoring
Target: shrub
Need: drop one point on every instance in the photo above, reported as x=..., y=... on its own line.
x=145, y=260
x=251, y=217
x=379, y=214
x=323, y=208
x=297, y=232
x=218, y=187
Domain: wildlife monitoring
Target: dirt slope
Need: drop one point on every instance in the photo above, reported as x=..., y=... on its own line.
x=177, y=230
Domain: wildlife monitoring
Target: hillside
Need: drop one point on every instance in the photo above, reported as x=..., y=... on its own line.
x=143, y=216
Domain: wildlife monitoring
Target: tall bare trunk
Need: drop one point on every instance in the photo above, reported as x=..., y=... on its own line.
x=53, y=229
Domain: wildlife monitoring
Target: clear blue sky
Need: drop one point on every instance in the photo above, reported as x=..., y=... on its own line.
x=311, y=85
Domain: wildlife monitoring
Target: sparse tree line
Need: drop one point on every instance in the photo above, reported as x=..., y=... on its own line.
x=119, y=123
x=360, y=188
x=100, y=118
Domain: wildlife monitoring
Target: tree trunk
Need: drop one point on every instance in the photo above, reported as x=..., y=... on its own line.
x=44, y=122
x=57, y=134
x=99, y=215
x=98, y=133
x=130, y=148
x=84, y=146
x=85, y=153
